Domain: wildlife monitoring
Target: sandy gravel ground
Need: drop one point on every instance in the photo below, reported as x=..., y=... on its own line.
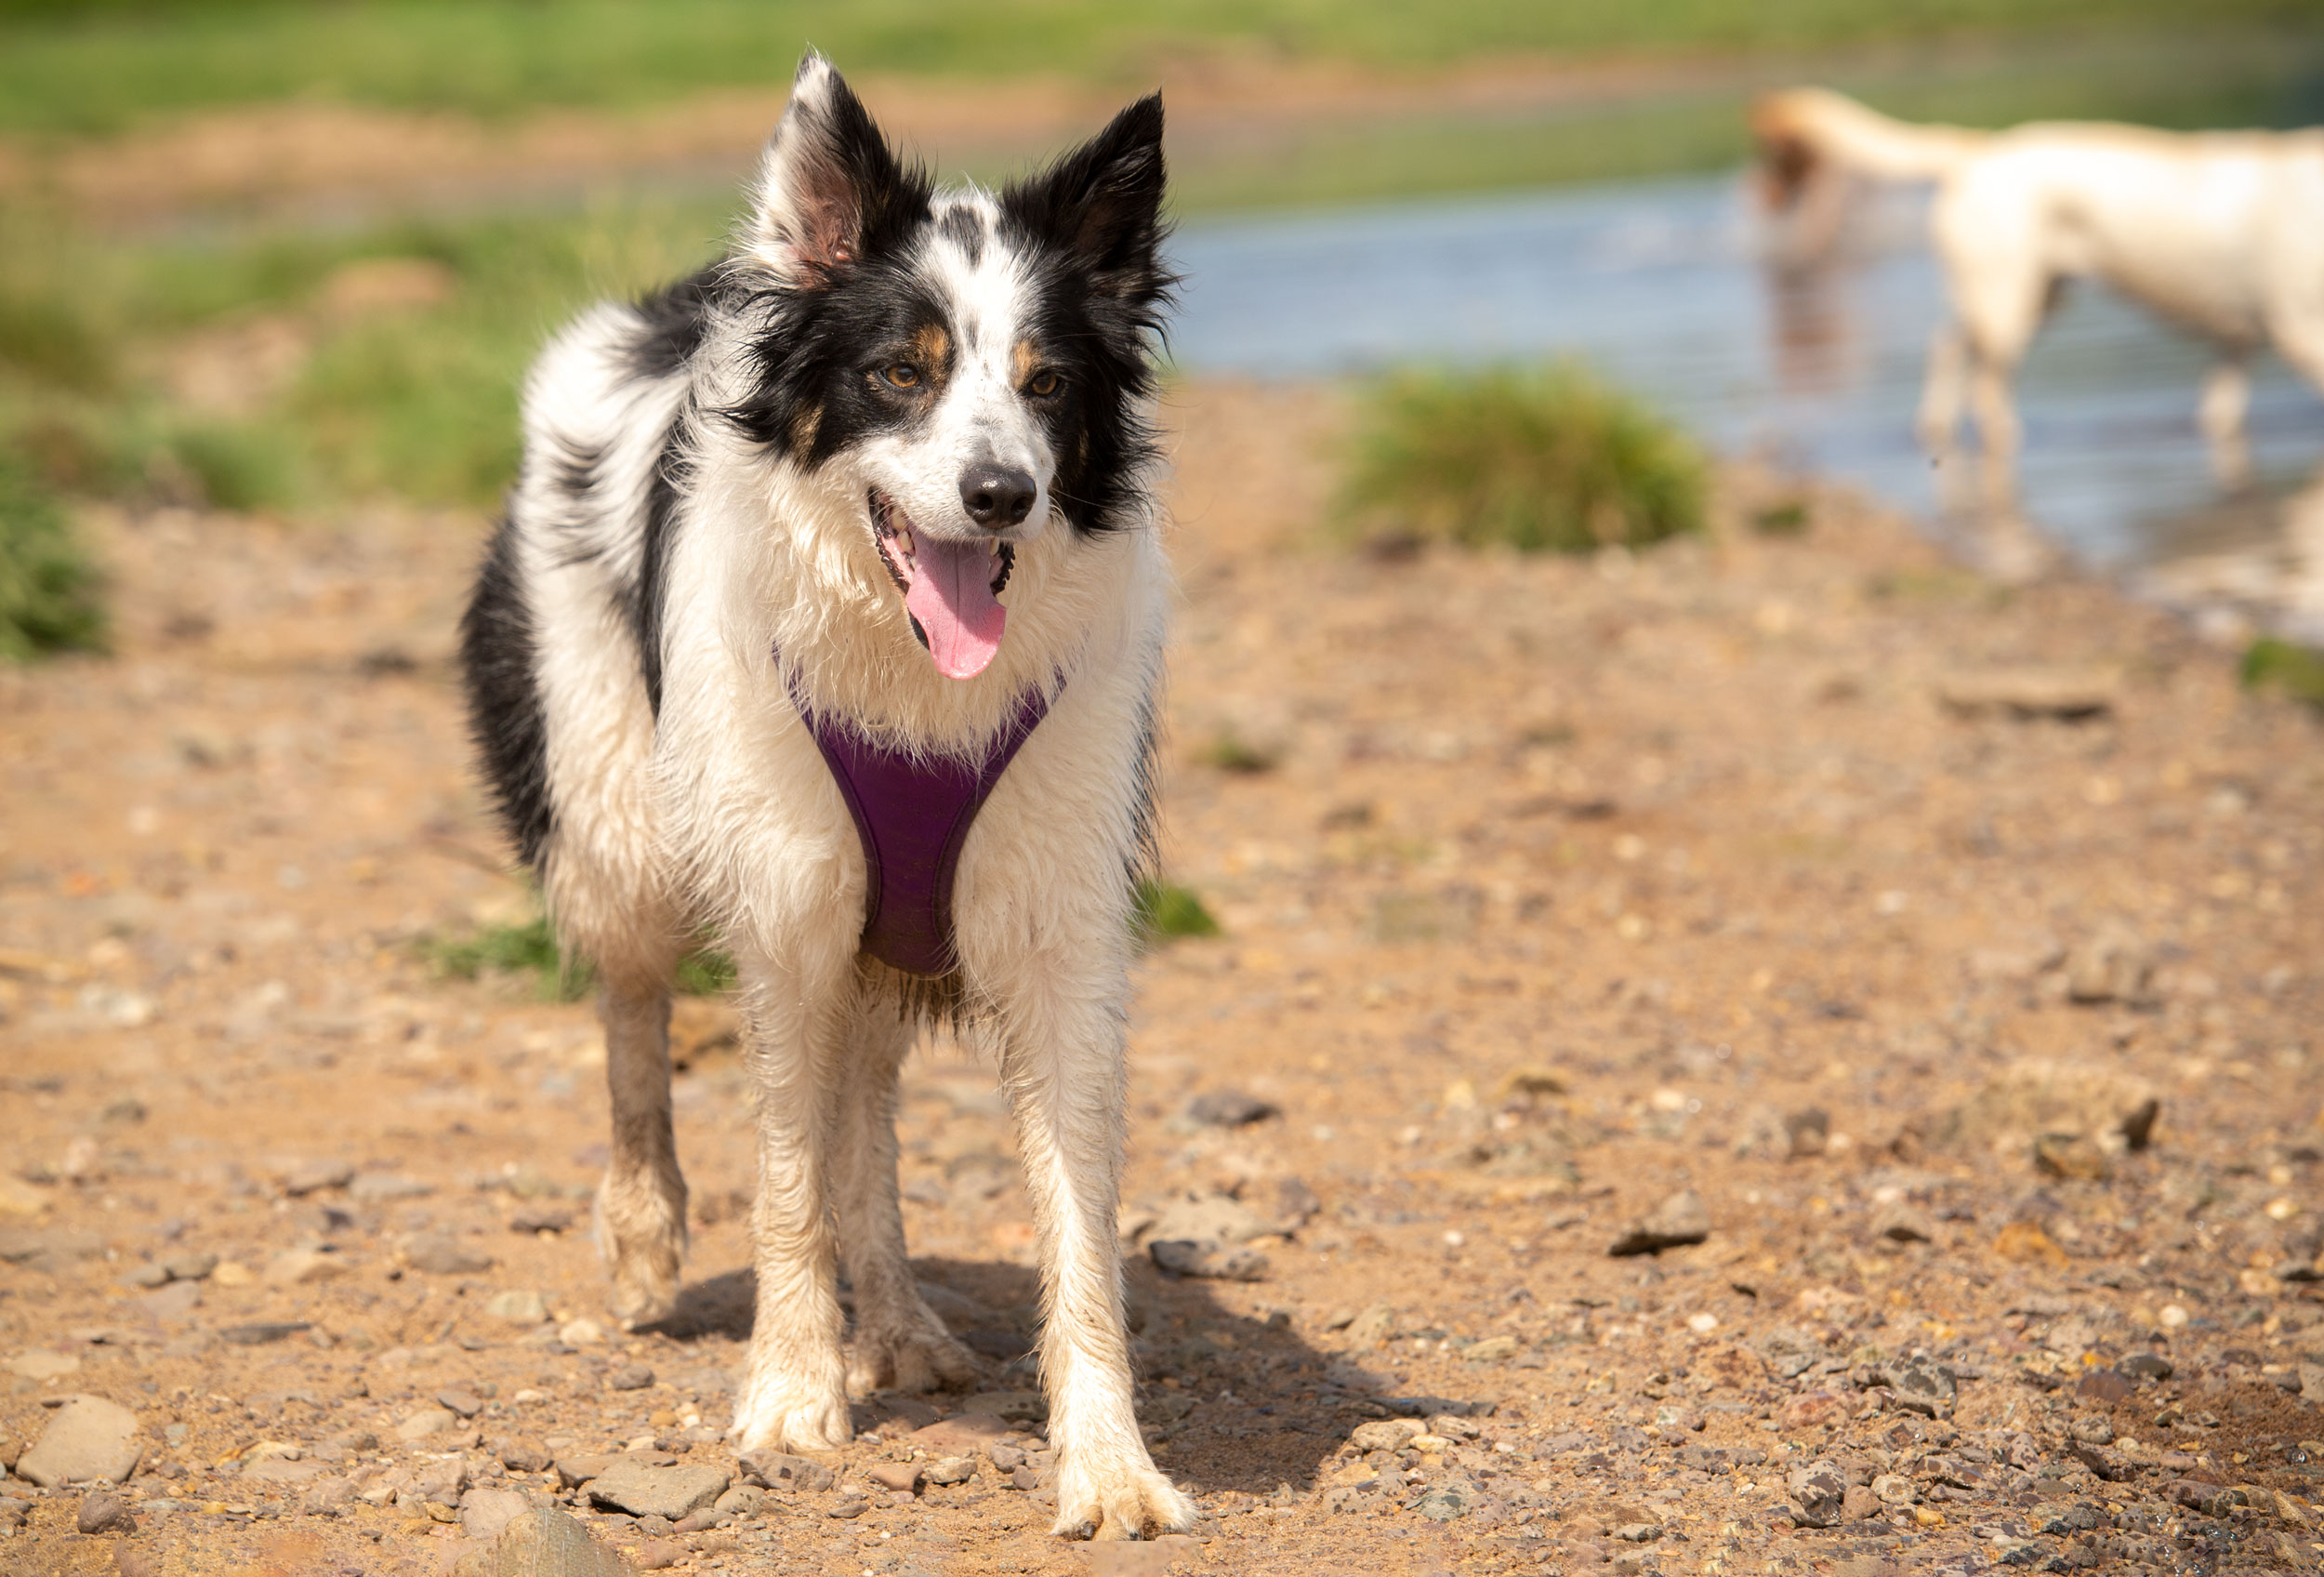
x=1942, y=956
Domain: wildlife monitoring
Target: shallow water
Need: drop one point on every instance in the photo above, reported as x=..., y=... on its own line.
x=1660, y=283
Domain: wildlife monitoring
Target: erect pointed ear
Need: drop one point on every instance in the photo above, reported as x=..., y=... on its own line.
x=1102, y=202
x=828, y=183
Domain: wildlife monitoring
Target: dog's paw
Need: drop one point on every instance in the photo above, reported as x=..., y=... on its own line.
x=783, y=1420
x=1125, y=1499
x=908, y=1360
x=643, y=1238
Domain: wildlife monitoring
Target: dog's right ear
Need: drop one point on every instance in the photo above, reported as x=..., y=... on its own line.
x=829, y=184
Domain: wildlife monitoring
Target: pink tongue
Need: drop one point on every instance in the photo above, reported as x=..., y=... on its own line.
x=951, y=594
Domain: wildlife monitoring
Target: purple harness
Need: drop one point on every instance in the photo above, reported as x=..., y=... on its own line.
x=913, y=814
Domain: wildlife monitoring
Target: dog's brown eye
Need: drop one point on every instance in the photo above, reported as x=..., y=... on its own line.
x=902, y=374
x=1043, y=384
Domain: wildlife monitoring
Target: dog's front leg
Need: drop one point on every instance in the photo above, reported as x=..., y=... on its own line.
x=1062, y=1060
x=794, y=1390
x=899, y=1343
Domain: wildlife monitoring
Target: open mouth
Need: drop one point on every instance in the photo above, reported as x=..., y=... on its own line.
x=951, y=589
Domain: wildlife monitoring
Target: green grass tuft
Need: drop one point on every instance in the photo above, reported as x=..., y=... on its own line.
x=1231, y=752
x=51, y=593
x=1548, y=459
x=1166, y=912
x=531, y=949
x=2273, y=664
x=1788, y=518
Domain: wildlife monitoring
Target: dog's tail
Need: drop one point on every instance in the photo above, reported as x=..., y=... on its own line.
x=1803, y=128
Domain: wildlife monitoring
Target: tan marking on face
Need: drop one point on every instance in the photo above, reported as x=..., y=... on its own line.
x=1026, y=361
x=932, y=352
x=804, y=427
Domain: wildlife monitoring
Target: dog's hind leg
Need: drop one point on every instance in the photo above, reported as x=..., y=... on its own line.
x=642, y=1201
x=796, y=1010
x=2226, y=397
x=899, y=1343
x=1061, y=1044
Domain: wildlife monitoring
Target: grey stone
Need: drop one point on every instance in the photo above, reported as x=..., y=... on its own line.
x=1918, y=1384
x=145, y=1276
x=386, y=1188
x=1230, y=1109
x=1904, y=1223
x=281, y=1470
x=2146, y=1366
x=2094, y=1429
x=742, y=1499
x=522, y=1455
x=629, y=1377
x=1385, y=1434
x=420, y=1423
x=1209, y=1261
x=1016, y=1406
x=657, y=1491
x=779, y=1470
x=466, y=1404
x=87, y=1438
x=439, y=1254
x=190, y=1267
x=262, y=1332
x=170, y=1304
x=1893, y=1488
x=1209, y=1218
x=952, y=1470
x=486, y=1514
x=310, y=1176
x=1676, y=1221
x=1447, y=1502
x=2030, y=692
x=1819, y=1492
x=544, y=1543
x=328, y=1497
x=105, y=1512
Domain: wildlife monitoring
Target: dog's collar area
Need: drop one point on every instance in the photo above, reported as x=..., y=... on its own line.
x=911, y=813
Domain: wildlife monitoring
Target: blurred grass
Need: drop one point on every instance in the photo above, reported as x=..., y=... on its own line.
x=530, y=949
x=1165, y=911
x=419, y=401
x=1540, y=459
x=2295, y=671
x=50, y=590
x=101, y=65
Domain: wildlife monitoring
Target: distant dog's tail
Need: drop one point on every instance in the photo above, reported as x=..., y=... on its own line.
x=1800, y=130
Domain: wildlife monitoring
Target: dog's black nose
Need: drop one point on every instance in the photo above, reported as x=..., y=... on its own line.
x=997, y=497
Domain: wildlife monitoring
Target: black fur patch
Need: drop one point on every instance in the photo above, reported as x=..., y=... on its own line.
x=1092, y=226
x=966, y=228
x=674, y=318
x=645, y=598
x=504, y=702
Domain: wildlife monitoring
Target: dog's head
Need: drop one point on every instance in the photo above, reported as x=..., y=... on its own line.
x=975, y=366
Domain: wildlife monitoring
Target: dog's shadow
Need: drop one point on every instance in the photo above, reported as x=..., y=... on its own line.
x=1234, y=1392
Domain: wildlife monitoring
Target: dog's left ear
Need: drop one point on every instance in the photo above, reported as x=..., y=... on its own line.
x=1103, y=203
x=828, y=186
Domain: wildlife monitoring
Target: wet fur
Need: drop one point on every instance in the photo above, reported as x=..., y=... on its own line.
x=692, y=503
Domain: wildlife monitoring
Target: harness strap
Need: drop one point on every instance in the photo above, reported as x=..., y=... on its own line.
x=913, y=814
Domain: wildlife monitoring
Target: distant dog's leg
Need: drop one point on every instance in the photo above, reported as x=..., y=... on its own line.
x=1940, y=393
x=642, y=1202
x=1062, y=1045
x=2226, y=396
x=794, y=1390
x=899, y=1343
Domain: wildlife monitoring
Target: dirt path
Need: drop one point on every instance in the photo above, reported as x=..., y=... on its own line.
x=1552, y=890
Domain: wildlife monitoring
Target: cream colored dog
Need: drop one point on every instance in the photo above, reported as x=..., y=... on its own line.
x=2219, y=232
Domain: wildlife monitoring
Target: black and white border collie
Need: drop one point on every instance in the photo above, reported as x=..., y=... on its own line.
x=888, y=465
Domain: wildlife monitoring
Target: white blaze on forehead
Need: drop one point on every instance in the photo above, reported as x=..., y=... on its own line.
x=985, y=286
